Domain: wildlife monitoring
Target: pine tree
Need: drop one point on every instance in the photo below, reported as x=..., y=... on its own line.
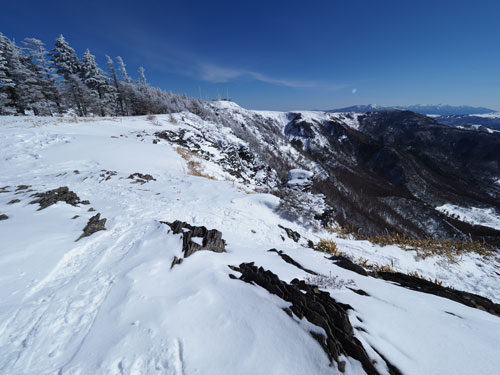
x=96, y=80
x=122, y=69
x=38, y=53
x=66, y=63
x=128, y=90
x=93, y=78
x=114, y=78
x=25, y=90
x=6, y=83
x=64, y=58
x=142, y=76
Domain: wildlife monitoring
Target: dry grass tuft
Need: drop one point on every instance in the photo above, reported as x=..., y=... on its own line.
x=376, y=267
x=329, y=247
x=435, y=281
x=343, y=232
x=193, y=163
x=427, y=247
x=424, y=247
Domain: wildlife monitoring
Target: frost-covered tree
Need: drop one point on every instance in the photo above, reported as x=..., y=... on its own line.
x=6, y=83
x=90, y=73
x=46, y=83
x=99, y=85
x=64, y=58
x=122, y=69
x=93, y=77
x=142, y=76
x=25, y=89
x=38, y=53
x=75, y=93
x=116, y=84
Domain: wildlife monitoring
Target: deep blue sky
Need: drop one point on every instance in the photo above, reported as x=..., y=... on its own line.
x=289, y=54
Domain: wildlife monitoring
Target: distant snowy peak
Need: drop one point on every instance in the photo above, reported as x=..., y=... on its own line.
x=424, y=109
x=226, y=104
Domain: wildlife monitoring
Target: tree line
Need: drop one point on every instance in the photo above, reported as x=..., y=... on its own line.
x=36, y=81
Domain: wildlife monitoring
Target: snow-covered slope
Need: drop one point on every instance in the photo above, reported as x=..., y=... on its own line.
x=111, y=303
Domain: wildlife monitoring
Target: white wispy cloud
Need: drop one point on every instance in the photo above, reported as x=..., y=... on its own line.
x=217, y=74
x=179, y=61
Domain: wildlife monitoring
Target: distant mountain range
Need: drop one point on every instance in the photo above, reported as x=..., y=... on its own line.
x=424, y=109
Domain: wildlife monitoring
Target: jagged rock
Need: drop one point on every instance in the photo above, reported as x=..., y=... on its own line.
x=141, y=178
x=3, y=189
x=307, y=301
x=210, y=239
x=425, y=286
x=361, y=292
x=14, y=201
x=23, y=187
x=94, y=224
x=176, y=261
x=291, y=233
x=61, y=194
x=290, y=260
x=173, y=137
x=106, y=175
x=3, y=217
x=346, y=263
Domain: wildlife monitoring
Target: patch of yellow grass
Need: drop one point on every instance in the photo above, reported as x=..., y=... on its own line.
x=193, y=163
x=435, y=281
x=427, y=247
x=424, y=247
x=375, y=266
x=329, y=247
x=343, y=232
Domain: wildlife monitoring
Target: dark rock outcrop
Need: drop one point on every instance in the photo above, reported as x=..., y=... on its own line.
x=141, y=178
x=210, y=239
x=307, y=301
x=425, y=286
x=291, y=261
x=176, y=261
x=3, y=217
x=106, y=175
x=346, y=263
x=61, y=194
x=293, y=235
x=94, y=224
x=14, y=201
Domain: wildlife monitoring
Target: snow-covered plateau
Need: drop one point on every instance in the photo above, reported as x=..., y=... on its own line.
x=129, y=299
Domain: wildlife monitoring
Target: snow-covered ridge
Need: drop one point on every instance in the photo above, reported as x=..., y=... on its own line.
x=111, y=303
x=474, y=215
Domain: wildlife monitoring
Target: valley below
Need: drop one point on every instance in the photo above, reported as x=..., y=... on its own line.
x=231, y=241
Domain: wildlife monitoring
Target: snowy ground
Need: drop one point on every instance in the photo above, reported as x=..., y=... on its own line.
x=110, y=304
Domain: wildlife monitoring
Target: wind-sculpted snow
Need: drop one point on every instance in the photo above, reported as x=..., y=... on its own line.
x=111, y=303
